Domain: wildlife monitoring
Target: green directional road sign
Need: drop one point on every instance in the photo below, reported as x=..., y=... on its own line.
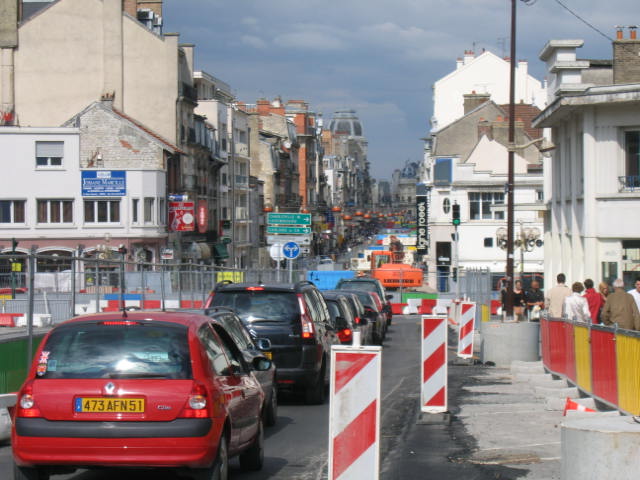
x=271, y=229
x=289, y=219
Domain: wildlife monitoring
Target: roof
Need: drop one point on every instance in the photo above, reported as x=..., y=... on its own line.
x=182, y=318
x=168, y=144
x=526, y=113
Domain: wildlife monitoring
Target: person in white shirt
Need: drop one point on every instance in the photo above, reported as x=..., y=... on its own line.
x=575, y=306
x=635, y=292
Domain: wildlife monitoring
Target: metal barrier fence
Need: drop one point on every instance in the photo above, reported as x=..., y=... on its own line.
x=93, y=284
x=603, y=362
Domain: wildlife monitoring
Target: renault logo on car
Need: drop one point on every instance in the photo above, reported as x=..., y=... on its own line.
x=109, y=388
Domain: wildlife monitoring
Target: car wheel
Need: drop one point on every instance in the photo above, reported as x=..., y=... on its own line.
x=314, y=395
x=29, y=473
x=253, y=457
x=271, y=411
x=220, y=469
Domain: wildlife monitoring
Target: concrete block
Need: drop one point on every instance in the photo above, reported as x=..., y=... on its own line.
x=578, y=414
x=600, y=447
x=548, y=382
x=532, y=369
x=530, y=377
x=543, y=392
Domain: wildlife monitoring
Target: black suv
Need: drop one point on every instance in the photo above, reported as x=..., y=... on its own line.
x=295, y=318
x=369, y=284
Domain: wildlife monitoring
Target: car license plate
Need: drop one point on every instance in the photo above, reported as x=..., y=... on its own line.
x=109, y=405
x=269, y=355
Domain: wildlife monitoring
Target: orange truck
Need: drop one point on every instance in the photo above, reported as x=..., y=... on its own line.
x=394, y=275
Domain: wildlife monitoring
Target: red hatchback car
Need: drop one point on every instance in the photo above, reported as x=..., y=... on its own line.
x=146, y=389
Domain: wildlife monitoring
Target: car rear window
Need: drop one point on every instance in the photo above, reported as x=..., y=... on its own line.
x=364, y=286
x=116, y=351
x=260, y=305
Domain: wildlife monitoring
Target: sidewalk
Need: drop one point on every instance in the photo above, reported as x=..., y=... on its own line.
x=505, y=423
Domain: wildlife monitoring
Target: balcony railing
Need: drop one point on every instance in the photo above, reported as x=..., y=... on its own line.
x=629, y=183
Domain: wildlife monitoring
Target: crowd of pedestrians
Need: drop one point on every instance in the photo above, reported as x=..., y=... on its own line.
x=581, y=302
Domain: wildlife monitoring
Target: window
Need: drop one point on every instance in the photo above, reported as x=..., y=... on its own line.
x=49, y=154
x=149, y=203
x=446, y=206
x=631, y=180
x=215, y=353
x=442, y=171
x=488, y=242
x=162, y=212
x=55, y=211
x=480, y=205
x=12, y=211
x=101, y=211
x=135, y=205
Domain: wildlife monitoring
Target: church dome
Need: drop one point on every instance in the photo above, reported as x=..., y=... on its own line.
x=346, y=122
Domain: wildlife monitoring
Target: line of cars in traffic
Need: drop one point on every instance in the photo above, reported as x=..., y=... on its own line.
x=184, y=390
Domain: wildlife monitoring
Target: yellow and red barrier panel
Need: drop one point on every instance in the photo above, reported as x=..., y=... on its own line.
x=602, y=361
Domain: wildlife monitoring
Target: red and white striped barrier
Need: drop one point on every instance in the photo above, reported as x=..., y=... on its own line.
x=466, y=320
x=433, y=398
x=354, y=413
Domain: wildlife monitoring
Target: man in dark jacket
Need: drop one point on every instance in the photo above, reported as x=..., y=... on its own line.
x=621, y=308
x=534, y=297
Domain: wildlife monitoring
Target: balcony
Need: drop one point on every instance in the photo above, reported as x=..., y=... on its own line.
x=629, y=183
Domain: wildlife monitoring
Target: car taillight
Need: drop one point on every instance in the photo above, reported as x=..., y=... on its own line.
x=26, y=406
x=308, y=330
x=345, y=335
x=197, y=404
x=209, y=301
x=356, y=320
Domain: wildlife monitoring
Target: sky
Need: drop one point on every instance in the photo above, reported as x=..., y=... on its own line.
x=378, y=57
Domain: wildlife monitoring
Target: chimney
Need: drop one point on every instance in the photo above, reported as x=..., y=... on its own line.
x=468, y=56
x=264, y=107
x=626, y=57
x=484, y=129
x=459, y=63
x=473, y=100
x=131, y=7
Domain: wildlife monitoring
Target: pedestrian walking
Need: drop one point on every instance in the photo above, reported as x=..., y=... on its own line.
x=575, y=306
x=594, y=299
x=621, y=308
x=554, y=298
x=534, y=300
x=635, y=292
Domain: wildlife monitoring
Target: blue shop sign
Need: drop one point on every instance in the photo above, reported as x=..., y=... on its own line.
x=104, y=183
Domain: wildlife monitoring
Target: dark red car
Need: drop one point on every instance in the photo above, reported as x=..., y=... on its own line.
x=145, y=389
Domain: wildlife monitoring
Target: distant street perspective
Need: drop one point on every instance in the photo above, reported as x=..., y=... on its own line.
x=319, y=240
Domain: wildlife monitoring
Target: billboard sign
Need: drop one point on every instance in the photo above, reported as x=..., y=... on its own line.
x=422, y=216
x=181, y=217
x=104, y=183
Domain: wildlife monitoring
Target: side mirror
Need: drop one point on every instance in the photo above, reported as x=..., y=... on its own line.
x=261, y=364
x=388, y=297
x=263, y=344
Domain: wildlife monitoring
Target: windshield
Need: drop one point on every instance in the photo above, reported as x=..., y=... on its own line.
x=260, y=305
x=116, y=351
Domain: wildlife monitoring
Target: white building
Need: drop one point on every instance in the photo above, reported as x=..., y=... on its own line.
x=592, y=183
x=485, y=74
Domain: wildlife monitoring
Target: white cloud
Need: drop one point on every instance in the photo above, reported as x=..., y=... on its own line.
x=311, y=37
x=253, y=41
x=249, y=21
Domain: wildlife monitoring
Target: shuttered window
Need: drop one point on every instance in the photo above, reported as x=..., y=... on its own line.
x=49, y=154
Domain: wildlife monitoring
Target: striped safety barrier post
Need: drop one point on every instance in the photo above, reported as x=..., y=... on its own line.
x=433, y=397
x=466, y=320
x=354, y=413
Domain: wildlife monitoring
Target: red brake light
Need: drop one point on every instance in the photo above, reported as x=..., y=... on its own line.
x=197, y=405
x=112, y=323
x=357, y=320
x=345, y=335
x=26, y=406
x=308, y=330
x=254, y=289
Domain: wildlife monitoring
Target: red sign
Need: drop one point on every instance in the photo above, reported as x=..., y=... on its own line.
x=203, y=216
x=181, y=217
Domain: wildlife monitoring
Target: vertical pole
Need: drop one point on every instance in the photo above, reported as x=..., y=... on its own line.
x=32, y=263
x=162, y=268
x=74, y=271
x=290, y=270
x=97, y=282
x=510, y=185
x=457, y=262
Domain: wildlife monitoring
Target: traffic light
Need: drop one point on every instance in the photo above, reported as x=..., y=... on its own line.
x=454, y=274
x=14, y=245
x=455, y=214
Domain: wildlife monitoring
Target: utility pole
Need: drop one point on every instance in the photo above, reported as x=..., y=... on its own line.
x=510, y=182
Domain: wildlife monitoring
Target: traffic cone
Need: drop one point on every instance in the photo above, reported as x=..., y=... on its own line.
x=571, y=405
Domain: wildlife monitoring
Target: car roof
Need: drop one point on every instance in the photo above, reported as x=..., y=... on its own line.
x=334, y=294
x=273, y=287
x=182, y=318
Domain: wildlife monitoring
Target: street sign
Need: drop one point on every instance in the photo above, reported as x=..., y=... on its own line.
x=289, y=219
x=291, y=250
x=288, y=230
x=299, y=239
x=275, y=251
